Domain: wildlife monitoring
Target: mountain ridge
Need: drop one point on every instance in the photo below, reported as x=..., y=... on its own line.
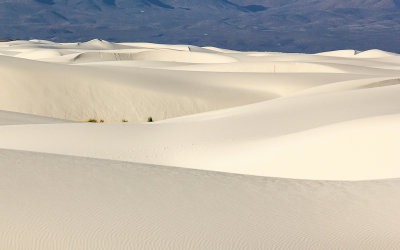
x=288, y=25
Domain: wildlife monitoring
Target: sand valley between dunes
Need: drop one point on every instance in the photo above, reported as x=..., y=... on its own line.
x=248, y=150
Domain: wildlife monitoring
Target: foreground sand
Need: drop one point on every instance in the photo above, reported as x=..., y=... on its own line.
x=63, y=202
x=332, y=119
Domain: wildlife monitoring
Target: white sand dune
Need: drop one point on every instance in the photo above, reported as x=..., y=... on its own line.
x=340, y=53
x=247, y=135
x=375, y=53
x=134, y=93
x=284, y=95
x=60, y=202
x=331, y=119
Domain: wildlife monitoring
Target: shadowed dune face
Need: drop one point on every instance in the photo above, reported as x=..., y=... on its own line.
x=383, y=83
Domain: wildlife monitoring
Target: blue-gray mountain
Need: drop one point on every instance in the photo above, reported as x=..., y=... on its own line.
x=280, y=25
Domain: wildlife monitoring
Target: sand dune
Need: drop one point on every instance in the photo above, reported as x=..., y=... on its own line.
x=112, y=93
x=375, y=53
x=249, y=133
x=340, y=53
x=159, y=80
x=60, y=202
x=258, y=102
x=242, y=119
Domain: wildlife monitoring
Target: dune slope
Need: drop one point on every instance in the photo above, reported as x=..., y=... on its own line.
x=60, y=202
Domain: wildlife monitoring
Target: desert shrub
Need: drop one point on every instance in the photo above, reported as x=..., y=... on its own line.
x=150, y=119
x=92, y=120
x=123, y=120
x=101, y=121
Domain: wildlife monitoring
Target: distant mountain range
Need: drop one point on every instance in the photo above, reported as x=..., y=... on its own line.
x=266, y=25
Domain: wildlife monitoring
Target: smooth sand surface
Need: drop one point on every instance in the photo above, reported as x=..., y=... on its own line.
x=13, y=118
x=60, y=202
x=327, y=123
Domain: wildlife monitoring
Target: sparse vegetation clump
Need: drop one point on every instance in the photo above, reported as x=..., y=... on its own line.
x=149, y=119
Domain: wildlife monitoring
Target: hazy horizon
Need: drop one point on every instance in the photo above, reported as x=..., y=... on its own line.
x=250, y=25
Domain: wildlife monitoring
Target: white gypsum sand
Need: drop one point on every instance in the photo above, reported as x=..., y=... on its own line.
x=64, y=202
x=330, y=118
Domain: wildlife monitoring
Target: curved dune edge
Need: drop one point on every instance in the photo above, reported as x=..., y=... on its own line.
x=322, y=153
x=64, y=202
